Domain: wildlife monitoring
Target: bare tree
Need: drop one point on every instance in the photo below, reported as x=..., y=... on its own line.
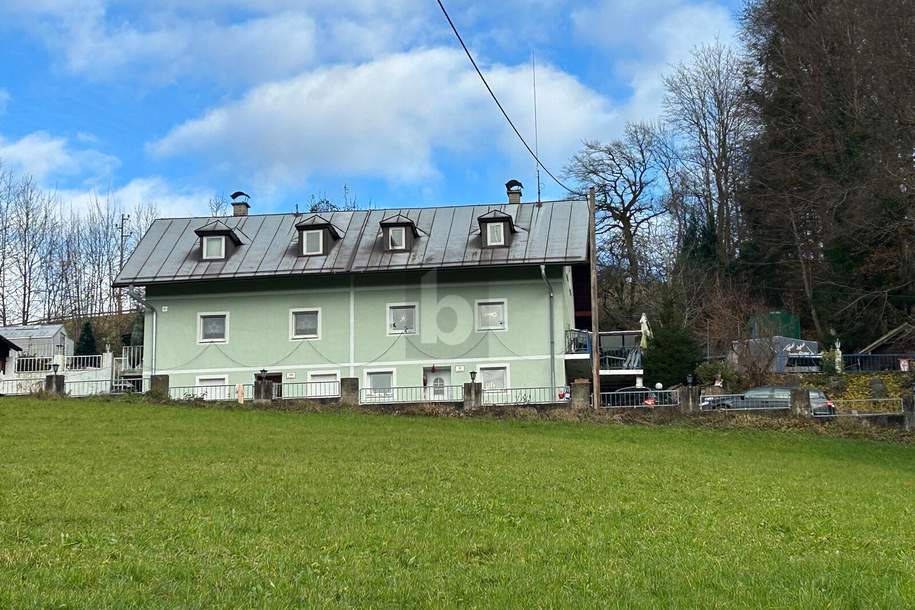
x=706, y=104
x=218, y=205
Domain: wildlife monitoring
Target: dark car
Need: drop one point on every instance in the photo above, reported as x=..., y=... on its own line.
x=768, y=397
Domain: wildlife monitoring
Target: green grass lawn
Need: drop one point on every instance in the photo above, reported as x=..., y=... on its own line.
x=108, y=504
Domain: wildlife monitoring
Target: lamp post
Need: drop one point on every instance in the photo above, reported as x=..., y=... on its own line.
x=473, y=376
x=55, y=366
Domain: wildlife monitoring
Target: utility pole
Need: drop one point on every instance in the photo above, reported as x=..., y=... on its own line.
x=595, y=326
x=124, y=219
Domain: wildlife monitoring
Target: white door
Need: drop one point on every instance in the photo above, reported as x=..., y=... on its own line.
x=438, y=384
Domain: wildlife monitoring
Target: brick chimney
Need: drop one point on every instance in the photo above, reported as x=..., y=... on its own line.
x=240, y=204
x=513, y=189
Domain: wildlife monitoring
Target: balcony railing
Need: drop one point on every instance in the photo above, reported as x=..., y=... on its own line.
x=306, y=389
x=611, y=358
x=876, y=362
x=526, y=396
x=412, y=394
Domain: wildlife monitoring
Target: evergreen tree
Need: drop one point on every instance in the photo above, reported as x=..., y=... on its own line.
x=672, y=352
x=85, y=346
x=136, y=333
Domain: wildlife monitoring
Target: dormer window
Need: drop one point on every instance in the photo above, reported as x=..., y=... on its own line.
x=397, y=238
x=495, y=234
x=317, y=235
x=313, y=242
x=496, y=229
x=214, y=248
x=398, y=233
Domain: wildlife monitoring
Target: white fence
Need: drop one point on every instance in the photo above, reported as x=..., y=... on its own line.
x=78, y=363
x=526, y=396
x=306, y=389
x=19, y=387
x=411, y=394
x=212, y=392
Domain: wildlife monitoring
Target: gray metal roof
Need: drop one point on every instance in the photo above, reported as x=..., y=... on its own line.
x=554, y=232
x=32, y=331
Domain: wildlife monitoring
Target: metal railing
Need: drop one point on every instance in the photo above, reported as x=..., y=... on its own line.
x=875, y=362
x=578, y=341
x=411, y=394
x=737, y=402
x=633, y=399
x=306, y=389
x=228, y=392
x=34, y=364
x=864, y=407
x=132, y=357
x=620, y=358
x=19, y=387
x=79, y=363
x=526, y=396
x=92, y=387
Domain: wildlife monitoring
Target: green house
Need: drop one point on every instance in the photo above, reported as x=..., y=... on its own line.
x=423, y=298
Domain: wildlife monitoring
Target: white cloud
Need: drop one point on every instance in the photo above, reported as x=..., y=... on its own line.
x=46, y=157
x=388, y=118
x=5, y=98
x=170, y=201
x=646, y=38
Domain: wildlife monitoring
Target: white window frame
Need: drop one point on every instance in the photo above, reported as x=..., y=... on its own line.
x=310, y=378
x=295, y=310
x=222, y=248
x=387, y=319
x=479, y=319
x=489, y=227
x=200, y=316
x=403, y=238
x=320, y=233
x=369, y=389
x=224, y=378
x=498, y=365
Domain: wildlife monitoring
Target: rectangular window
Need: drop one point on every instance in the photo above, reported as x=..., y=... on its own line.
x=313, y=242
x=380, y=382
x=397, y=238
x=494, y=378
x=213, y=328
x=323, y=384
x=402, y=319
x=491, y=315
x=211, y=381
x=305, y=323
x=495, y=234
x=214, y=247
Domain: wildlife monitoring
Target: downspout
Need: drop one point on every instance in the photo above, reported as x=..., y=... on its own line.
x=552, y=331
x=132, y=292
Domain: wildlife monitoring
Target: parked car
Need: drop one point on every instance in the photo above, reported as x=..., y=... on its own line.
x=768, y=397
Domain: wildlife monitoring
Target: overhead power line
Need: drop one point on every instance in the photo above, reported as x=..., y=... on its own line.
x=498, y=103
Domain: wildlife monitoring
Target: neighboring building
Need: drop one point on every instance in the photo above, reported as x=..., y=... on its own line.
x=39, y=340
x=777, y=354
x=6, y=347
x=418, y=297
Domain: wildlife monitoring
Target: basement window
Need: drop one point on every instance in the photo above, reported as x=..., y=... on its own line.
x=214, y=247
x=313, y=242
x=397, y=238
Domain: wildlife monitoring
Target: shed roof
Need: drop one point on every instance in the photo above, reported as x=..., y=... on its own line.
x=31, y=331
x=4, y=342
x=554, y=232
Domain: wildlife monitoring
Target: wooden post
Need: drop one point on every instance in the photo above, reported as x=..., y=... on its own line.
x=595, y=326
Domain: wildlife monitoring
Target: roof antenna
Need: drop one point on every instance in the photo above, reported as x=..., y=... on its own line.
x=536, y=131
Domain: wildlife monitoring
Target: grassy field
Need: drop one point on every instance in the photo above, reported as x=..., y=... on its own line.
x=107, y=504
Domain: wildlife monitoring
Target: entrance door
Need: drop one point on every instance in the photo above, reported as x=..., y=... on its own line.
x=277, y=380
x=438, y=383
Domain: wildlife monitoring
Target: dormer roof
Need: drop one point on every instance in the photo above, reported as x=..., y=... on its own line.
x=498, y=216
x=399, y=220
x=316, y=221
x=218, y=227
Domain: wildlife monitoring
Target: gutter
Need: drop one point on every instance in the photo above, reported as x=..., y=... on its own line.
x=549, y=288
x=135, y=295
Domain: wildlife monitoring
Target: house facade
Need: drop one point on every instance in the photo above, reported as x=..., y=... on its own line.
x=426, y=298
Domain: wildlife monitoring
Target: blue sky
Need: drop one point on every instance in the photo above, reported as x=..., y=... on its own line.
x=175, y=101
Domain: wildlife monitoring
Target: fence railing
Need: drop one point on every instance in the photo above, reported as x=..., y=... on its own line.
x=526, y=396
x=88, y=387
x=79, y=363
x=211, y=392
x=19, y=387
x=876, y=362
x=864, y=407
x=306, y=389
x=34, y=364
x=631, y=399
x=132, y=357
x=621, y=358
x=411, y=394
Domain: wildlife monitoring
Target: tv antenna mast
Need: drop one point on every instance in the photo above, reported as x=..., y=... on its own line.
x=536, y=130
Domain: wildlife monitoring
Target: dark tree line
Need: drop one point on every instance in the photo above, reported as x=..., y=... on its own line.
x=781, y=175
